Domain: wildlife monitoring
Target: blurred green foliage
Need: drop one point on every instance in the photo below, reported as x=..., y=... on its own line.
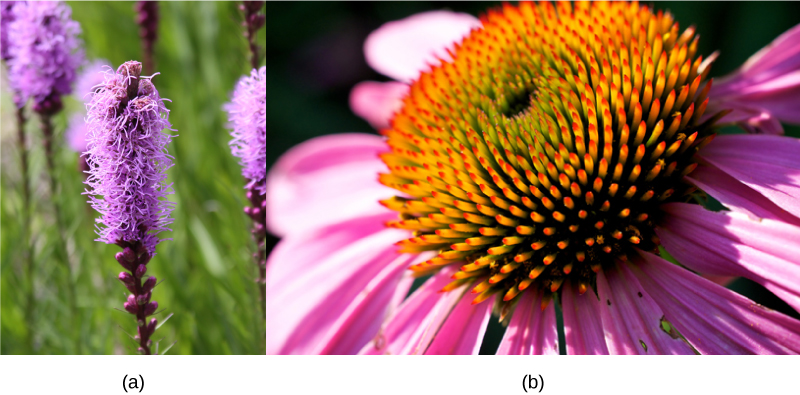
x=206, y=271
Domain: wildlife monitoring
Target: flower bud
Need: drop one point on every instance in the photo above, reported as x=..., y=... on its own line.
x=143, y=299
x=126, y=278
x=145, y=258
x=151, y=327
x=150, y=308
x=149, y=284
x=132, y=308
x=140, y=271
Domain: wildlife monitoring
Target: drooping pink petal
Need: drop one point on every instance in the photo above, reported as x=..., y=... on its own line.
x=377, y=102
x=415, y=322
x=583, y=327
x=325, y=180
x=768, y=164
x=733, y=244
x=336, y=277
x=531, y=331
x=631, y=318
x=765, y=90
x=404, y=48
x=463, y=330
x=737, y=196
x=714, y=319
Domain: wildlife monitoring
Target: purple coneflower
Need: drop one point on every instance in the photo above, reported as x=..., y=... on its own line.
x=547, y=160
x=247, y=115
x=128, y=151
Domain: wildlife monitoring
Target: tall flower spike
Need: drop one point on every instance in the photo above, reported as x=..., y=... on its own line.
x=247, y=115
x=45, y=53
x=147, y=19
x=253, y=20
x=126, y=145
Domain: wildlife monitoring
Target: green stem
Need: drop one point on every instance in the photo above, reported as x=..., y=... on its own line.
x=47, y=131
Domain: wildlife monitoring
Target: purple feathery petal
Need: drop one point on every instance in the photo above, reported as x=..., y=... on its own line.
x=737, y=196
x=765, y=90
x=531, y=331
x=583, y=327
x=326, y=180
x=763, y=250
x=128, y=150
x=43, y=51
x=377, y=102
x=404, y=48
x=713, y=319
x=768, y=164
x=410, y=329
x=631, y=318
x=315, y=282
x=463, y=330
x=247, y=113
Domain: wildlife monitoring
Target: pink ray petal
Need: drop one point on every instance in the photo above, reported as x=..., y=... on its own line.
x=714, y=319
x=768, y=164
x=763, y=250
x=377, y=102
x=583, y=327
x=736, y=196
x=531, y=331
x=765, y=90
x=337, y=275
x=415, y=322
x=402, y=49
x=326, y=180
x=631, y=318
x=463, y=330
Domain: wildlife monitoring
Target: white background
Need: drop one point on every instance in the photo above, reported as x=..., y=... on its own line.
x=486, y=375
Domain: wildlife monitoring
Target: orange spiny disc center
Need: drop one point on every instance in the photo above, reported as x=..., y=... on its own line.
x=545, y=148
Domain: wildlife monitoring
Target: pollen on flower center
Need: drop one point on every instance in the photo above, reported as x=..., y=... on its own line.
x=544, y=149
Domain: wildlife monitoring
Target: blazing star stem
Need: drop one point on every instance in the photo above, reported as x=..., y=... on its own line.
x=253, y=20
x=30, y=305
x=47, y=131
x=257, y=212
x=134, y=258
x=147, y=18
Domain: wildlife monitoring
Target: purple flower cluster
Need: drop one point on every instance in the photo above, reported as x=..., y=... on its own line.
x=43, y=53
x=247, y=114
x=6, y=17
x=127, y=149
x=90, y=78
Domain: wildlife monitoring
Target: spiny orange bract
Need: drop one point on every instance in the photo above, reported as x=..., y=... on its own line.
x=543, y=150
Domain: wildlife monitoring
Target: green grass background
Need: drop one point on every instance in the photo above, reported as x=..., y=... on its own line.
x=206, y=271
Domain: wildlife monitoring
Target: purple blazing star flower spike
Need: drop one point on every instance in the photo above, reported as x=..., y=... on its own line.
x=247, y=114
x=129, y=159
x=125, y=119
x=45, y=53
x=6, y=17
